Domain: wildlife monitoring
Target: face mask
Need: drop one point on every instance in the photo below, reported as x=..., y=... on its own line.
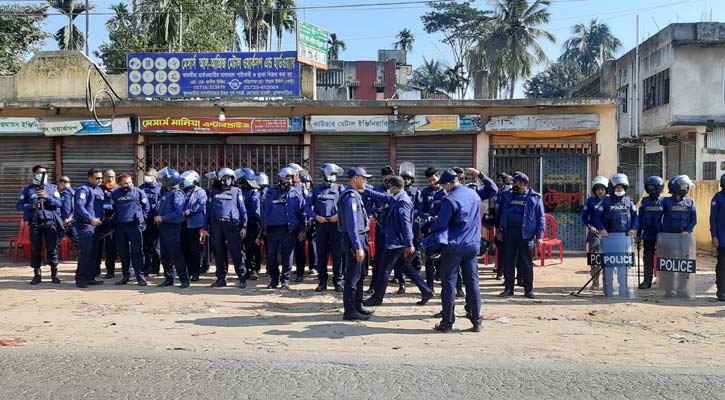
x=227, y=182
x=683, y=192
x=38, y=177
x=126, y=189
x=110, y=186
x=331, y=178
x=507, y=187
x=187, y=184
x=619, y=193
x=147, y=179
x=652, y=192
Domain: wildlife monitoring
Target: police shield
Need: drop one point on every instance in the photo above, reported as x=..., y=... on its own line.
x=676, y=265
x=617, y=261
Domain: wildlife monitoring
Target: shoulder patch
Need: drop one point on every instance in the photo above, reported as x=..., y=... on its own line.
x=143, y=200
x=241, y=197
x=22, y=197
x=82, y=195
x=56, y=195
x=401, y=210
x=714, y=203
x=354, y=207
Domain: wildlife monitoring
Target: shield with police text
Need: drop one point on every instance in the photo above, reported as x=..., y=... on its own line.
x=676, y=265
x=617, y=260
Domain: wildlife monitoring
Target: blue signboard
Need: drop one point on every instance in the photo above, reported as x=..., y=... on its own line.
x=183, y=75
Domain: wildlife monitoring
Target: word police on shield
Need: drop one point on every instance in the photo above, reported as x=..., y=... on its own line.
x=675, y=265
x=610, y=259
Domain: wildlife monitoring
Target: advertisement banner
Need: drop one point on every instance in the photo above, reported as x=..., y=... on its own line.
x=213, y=125
x=71, y=127
x=209, y=75
x=432, y=123
x=341, y=123
x=24, y=126
x=312, y=45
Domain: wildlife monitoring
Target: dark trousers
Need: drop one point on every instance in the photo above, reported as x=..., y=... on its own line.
x=72, y=234
x=191, y=248
x=720, y=271
x=86, y=268
x=106, y=248
x=129, y=242
x=151, y=248
x=519, y=253
x=650, y=247
x=430, y=271
x=465, y=260
x=251, y=249
x=280, y=249
x=225, y=237
x=379, y=250
x=391, y=258
x=355, y=273
x=328, y=245
x=500, y=257
x=44, y=232
x=171, y=257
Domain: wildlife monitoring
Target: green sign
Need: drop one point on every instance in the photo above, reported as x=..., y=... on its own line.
x=312, y=45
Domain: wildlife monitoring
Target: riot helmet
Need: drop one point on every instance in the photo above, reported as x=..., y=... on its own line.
x=190, y=178
x=654, y=186
x=329, y=172
x=680, y=185
x=599, y=182
x=226, y=177
x=169, y=177
x=618, y=180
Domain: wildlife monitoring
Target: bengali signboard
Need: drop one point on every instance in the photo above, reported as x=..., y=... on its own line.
x=73, y=127
x=384, y=123
x=214, y=125
x=342, y=123
x=564, y=122
x=312, y=44
x=19, y=126
x=209, y=75
x=432, y=123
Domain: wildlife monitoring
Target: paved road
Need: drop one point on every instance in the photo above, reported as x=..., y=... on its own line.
x=27, y=373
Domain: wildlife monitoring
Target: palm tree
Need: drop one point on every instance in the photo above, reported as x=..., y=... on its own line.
x=334, y=46
x=456, y=80
x=431, y=76
x=69, y=37
x=165, y=21
x=405, y=41
x=253, y=14
x=591, y=45
x=515, y=37
x=121, y=16
x=282, y=19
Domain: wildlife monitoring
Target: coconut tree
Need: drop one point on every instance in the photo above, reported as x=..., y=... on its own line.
x=405, y=41
x=69, y=37
x=590, y=45
x=431, y=76
x=334, y=46
x=165, y=21
x=282, y=19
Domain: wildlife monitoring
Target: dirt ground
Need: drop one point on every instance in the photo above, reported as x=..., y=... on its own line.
x=554, y=326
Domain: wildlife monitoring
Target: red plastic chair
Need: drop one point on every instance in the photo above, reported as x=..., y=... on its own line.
x=371, y=239
x=13, y=241
x=67, y=247
x=24, y=242
x=550, y=242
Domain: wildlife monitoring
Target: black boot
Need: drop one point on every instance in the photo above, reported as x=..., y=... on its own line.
x=54, y=275
x=36, y=276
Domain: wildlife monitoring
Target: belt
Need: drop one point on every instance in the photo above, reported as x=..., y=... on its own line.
x=363, y=232
x=223, y=219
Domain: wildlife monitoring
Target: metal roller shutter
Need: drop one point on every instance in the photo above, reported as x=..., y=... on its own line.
x=688, y=151
x=441, y=152
x=18, y=156
x=83, y=153
x=370, y=152
x=672, y=156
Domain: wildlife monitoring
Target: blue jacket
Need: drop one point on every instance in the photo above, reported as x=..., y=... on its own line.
x=377, y=210
x=322, y=200
x=195, y=207
x=399, y=222
x=51, y=204
x=228, y=204
x=295, y=212
x=678, y=216
x=460, y=216
x=171, y=206
x=488, y=189
x=426, y=201
x=498, y=201
x=534, y=220
x=717, y=217
x=87, y=204
x=649, y=218
x=353, y=220
x=593, y=205
x=129, y=207
x=66, y=210
x=153, y=193
x=252, y=202
x=619, y=214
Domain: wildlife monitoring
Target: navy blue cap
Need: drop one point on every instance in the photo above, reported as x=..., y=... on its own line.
x=521, y=177
x=448, y=176
x=357, y=171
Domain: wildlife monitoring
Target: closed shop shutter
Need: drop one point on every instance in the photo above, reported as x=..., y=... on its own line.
x=441, y=152
x=18, y=156
x=672, y=155
x=370, y=152
x=83, y=153
x=688, y=152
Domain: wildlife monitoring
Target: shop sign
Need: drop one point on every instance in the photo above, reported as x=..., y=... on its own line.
x=312, y=45
x=340, y=123
x=209, y=75
x=432, y=123
x=26, y=126
x=70, y=127
x=564, y=122
x=214, y=125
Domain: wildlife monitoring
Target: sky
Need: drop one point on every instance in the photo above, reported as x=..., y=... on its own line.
x=365, y=30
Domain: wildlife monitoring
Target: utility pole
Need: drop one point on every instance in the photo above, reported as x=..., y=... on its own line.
x=88, y=54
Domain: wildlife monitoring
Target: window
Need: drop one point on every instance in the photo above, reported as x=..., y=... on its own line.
x=653, y=164
x=623, y=95
x=656, y=90
x=709, y=170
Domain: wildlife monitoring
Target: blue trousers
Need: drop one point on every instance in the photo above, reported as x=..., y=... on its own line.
x=519, y=253
x=106, y=243
x=86, y=268
x=391, y=258
x=355, y=273
x=251, y=249
x=280, y=248
x=129, y=242
x=72, y=234
x=328, y=244
x=191, y=248
x=151, y=248
x=44, y=231
x=225, y=236
x=171, y=256
x=466, y=260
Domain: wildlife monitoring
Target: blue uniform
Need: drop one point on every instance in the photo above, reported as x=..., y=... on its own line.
x=252, y=203
x=226, y=217
x=522, y=220
x=195, y=203
x=717, y=230
x=678, y=216
x=130, y=209
x=106, y=235
x=66, y=215
x=619, y=215
x=322, y=201
x=300, y=252
x=151, y=246
x=649, y=225
x=460, y=216
x=379, y=211
x=87, y=206
x=429, y=205
x=45, y=222
x=283, y=217
x=353, y=224
x=171, y=210
x=593, y=205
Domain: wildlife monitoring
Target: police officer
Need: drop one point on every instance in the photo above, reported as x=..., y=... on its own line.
x=130, y=207
x=678, y=216
x=66, y=210
x=283, y=220
x=460, y=219
x=619, y=215
x=505, y=184
x=649, y=225
x=252, y=202
x=321, y=206
x=522, y=230
x=353, y=225
x=594, y=205
x=300, y=254
x=415, y=197
x=151, y=246
x=40, y=203
x=263, y=181
x=430, y=198
x=169, y=217
x=106, y=238
x=194, y=221
x=717, y=232
x=227, y=223
x=399, y=242
x=87, y=213
x=379, y=211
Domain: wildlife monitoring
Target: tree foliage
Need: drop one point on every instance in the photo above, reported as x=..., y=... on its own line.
x=21, y=33
x=405, y=41
x=335, y=46
x=555, y=81
x=590, y=45
x=69, y=37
